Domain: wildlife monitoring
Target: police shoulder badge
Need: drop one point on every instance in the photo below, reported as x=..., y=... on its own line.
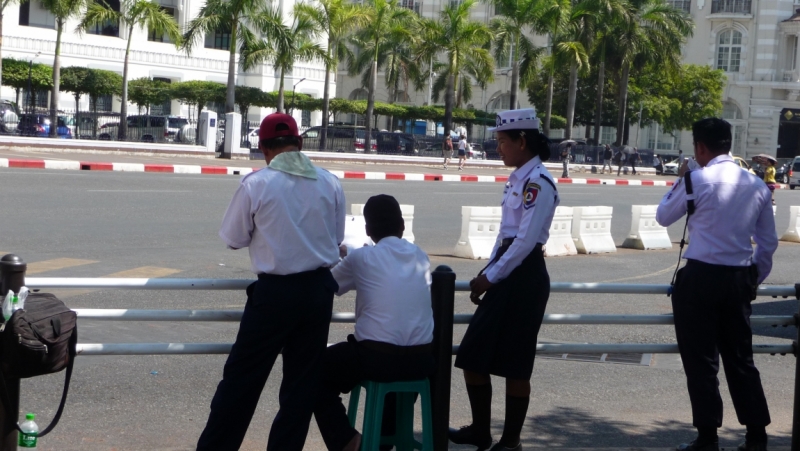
x=531, y=192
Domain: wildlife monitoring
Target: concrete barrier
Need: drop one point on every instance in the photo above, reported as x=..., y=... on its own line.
x=408, y=218
x=646, y=233
x=479, y=229
x=793, y=232
x=591, y=230
x=560, y=242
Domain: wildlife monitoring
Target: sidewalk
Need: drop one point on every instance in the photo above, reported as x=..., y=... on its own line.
x=349, y=170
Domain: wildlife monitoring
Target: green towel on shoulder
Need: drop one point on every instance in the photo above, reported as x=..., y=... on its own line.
x=295, y=163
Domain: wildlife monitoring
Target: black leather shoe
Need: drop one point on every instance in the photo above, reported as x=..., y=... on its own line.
x=499, y=447
x=750, y=446
x=467, y=436
x=693, y=446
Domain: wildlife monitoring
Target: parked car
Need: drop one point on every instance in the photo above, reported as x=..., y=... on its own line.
x=475, y=152
x=150, y=129
x=341, y=138
x=39, y=125
x=9, y=116
x=782, y=170
x=394, y=143
x=794, y=173
x=490, y=149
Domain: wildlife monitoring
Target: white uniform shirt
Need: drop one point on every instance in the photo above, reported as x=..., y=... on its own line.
x=731, y=205
x=290, y=223
x=393, y=301
x=529, y=204
x=462, y=144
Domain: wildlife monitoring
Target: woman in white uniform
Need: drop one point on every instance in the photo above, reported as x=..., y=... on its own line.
x=501, y=337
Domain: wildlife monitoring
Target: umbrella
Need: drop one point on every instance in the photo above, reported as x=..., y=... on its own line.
x=564, y=143
x=764, y=158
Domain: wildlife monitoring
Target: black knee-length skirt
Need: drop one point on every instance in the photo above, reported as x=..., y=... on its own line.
x=501, y=337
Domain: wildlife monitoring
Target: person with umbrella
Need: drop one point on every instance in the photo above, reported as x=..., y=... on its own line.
x=621, y=158
x=769, y=172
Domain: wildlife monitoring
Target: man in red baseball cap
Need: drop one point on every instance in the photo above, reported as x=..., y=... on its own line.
x=291, y=216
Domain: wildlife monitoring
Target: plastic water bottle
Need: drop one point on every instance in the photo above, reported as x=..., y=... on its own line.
x=30, y=432
x=10, y=304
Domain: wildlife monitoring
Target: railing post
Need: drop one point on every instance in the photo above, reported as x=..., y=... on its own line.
x=12, y=277
x=796, y=410
x=443, y=294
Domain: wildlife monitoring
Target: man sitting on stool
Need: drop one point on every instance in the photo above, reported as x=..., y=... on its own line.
x=394, y=322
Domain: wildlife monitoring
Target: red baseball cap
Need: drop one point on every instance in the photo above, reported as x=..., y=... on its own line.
x=271, y=124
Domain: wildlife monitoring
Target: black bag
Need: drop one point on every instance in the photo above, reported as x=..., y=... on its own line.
x=40, y=339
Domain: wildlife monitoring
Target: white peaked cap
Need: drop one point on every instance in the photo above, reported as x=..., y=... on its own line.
x=524, y=119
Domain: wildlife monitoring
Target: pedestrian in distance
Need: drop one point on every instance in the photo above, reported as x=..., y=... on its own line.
x=620, y=159
x=658, y=165
x=711, y=296
x=681, y=158
x=394, y=322
x=634, y=159
x=769, y=179
x=462, y=151
x=607, y=157
x=291, y=215
x=515, y=285
x=566, y=154
x=447, y=150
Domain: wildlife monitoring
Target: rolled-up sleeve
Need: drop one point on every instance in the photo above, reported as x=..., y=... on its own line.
x=237, y=224
x=766, y=239
x=672, y=206
x=344, y=275
x=531, y=224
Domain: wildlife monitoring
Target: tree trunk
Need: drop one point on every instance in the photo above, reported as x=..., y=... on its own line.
x=623, y=101
x=373, y=75
x=326, y=100
x=123, y=108
x=573, y=89
x=514, y=85
x=449, y=100
x=77, y=116
x=56, y=81
x=281, y=93
x=548, y=108
x=2, y=11
x=230, y=94
x=598, y=110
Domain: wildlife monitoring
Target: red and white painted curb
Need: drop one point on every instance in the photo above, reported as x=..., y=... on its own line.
x=227, y=170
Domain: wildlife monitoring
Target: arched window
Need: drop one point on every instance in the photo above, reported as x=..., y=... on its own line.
x=729, y=50
x=730, y=111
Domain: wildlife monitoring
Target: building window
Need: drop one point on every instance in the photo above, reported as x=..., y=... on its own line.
x=305, y=119
x=608, y=134
x=25, y=13
x=220, y=40
x=731, y=6
x=34, y=14
x=104, y=103
x=109, y=28
x=731, y=112
x=162, y=37
x=455, y=3
x=729, y=51
x=682, y=5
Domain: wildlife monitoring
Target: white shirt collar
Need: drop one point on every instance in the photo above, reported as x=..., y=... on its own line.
x=526, y=168
x=719, y=159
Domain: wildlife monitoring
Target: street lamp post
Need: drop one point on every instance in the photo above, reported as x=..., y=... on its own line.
x=431, y=124
x=486, y=109
x=30, y=91
x=294, y=88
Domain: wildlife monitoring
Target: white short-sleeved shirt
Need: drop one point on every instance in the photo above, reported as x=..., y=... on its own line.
x=290, y=223
x=462, y=144
x=529, y=204
x=731, y=206
x=393, y=301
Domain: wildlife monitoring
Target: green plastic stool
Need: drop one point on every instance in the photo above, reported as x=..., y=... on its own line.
x=403, y=440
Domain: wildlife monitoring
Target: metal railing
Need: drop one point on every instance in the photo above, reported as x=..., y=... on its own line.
x=731, y=6
x=443, y=291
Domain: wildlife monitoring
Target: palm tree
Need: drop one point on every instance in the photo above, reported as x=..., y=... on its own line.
x=241, y=18
x=515, y=22
x=552, y=17
x=387, y=22
x=653, y=32
x=464, y=43
x=62, y=10
x=283, y=46
x=337, y=19
x=133, y=13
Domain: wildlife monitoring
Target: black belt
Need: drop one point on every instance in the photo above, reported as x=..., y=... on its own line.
x=388, y=348
x=727, y=268
x=504, y=245
x=263, y=276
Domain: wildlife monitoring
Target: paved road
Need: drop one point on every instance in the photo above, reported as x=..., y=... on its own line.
x=92, y=224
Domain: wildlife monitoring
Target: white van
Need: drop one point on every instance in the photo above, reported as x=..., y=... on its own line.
x=794, y=173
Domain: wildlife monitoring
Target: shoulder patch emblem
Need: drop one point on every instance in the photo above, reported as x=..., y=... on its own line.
x=531, y=192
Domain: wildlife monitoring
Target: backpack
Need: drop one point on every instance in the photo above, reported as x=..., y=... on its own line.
x=40, y=339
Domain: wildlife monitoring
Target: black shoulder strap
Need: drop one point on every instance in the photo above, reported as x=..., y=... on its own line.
x=14, y=409
x=690, y=207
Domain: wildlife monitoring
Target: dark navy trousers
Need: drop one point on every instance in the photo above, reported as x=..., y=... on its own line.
x=711, y=304
x=291, y=314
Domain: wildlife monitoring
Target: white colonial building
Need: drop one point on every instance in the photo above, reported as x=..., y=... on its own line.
x=29, y=33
